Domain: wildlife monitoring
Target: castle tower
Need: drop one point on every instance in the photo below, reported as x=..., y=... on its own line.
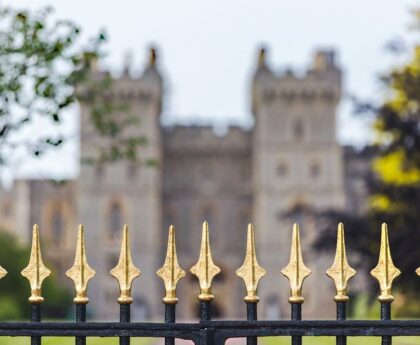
x=112, y=194
x=297, y=170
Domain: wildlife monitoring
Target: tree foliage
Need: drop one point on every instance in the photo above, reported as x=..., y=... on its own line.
x=395, y=180
x=42, y=65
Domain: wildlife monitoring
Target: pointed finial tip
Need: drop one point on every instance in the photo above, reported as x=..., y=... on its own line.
x=125, y=271
x=205, y=269
x=36, y=271
x=296, y=271
x=250, y=271
x=80, y=272
x=262, y=56
x=152, y=56
x=385, y=271
x=171, y=272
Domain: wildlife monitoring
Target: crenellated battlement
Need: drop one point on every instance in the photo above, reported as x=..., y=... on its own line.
x=320, y=83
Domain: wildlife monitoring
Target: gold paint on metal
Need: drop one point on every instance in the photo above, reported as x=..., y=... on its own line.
x=3, y=272
x=81, y=272
x=36, y=271
x=341, y=271
x=171, y=272
x=250, y=271
x=205, y=269
x=385, y=272
x=296, y=271
x=125, y=271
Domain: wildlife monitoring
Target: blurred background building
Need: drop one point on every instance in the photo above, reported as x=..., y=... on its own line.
x=288, y=167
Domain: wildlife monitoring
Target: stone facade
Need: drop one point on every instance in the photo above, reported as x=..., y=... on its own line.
x=287, y=165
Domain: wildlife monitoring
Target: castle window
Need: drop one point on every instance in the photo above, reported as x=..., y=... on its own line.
x=315, y=170
x=57, y=227
x=282, y=169
x=132, y=170
x=115, y=220
x=298, y=129
x=99, y=170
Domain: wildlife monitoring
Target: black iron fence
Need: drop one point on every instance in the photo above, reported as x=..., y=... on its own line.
x=205, y=331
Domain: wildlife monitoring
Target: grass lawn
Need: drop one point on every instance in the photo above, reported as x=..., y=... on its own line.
x=331, y=341
x=262, y=341
x=70, y=341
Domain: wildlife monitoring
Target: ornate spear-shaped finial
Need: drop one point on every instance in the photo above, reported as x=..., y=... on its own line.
x=296, y=271
x=341, y=271
x=36, y=271
x=171, y=272
x=385, y=271
x=81, y=272
x=250, y=271
x=125, y=271
x=205, y=269
x=3, y=272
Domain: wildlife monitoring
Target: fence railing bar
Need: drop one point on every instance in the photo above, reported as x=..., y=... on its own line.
x=224, y=329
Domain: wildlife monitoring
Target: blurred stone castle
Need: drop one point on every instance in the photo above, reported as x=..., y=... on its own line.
x=289, y=162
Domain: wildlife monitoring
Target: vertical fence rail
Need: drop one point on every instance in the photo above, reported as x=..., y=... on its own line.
x=341, y=315
x=170, y=318
x=251, y=315
x=386, y=315
x=296, y=309
x=80, y=317
x=125, y=317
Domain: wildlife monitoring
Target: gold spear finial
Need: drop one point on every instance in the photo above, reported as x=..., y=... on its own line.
x=205, y=269
x=171, y=272
x=125, y=271
x=385, y=271
x=341, y=271
x=81, y=272
x=296, y=271
x=36, y=271
x=250, y=271
x=3, y=272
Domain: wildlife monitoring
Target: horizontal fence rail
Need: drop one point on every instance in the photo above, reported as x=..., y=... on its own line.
x=205, y=331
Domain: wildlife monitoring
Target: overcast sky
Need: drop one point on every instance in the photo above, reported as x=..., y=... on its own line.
x=208, y=50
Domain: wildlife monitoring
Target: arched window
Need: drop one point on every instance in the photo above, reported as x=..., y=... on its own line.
x=282, y=169
x=115, y=220
x=315, y=170
x=57, y=227
x=298, y=130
